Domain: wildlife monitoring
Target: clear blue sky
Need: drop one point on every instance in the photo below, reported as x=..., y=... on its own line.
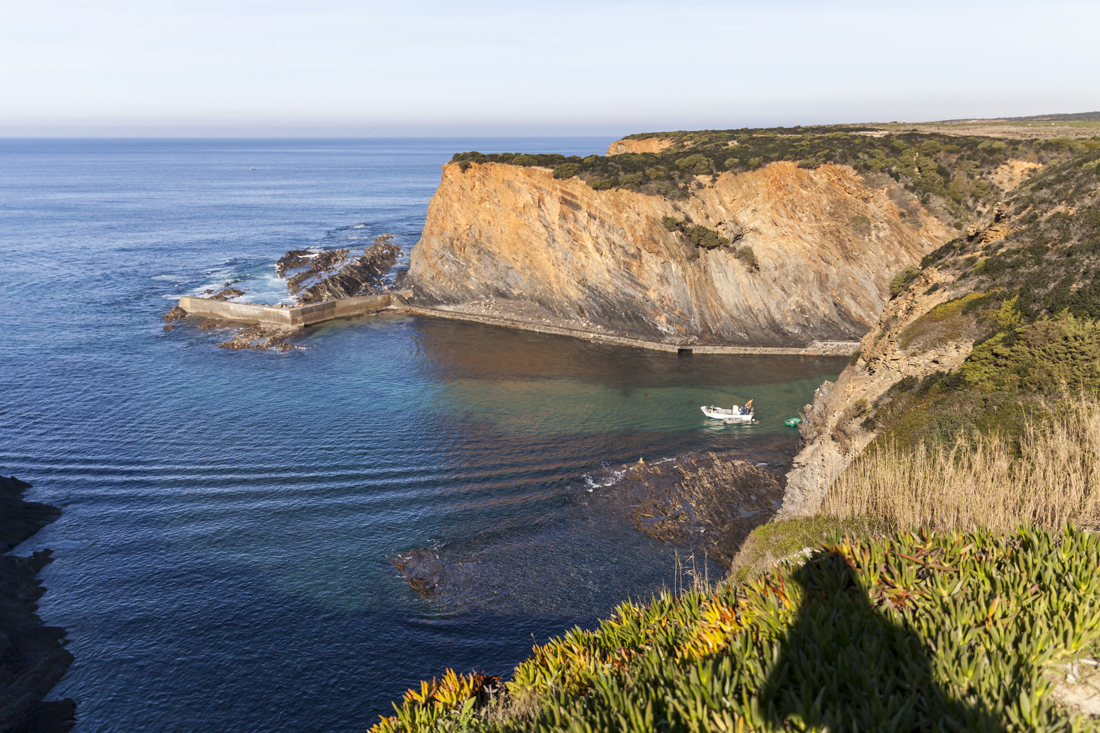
x=421, y=67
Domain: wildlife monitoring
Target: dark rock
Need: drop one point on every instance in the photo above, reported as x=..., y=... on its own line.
x=292, y=260
x=262, y=337
x=357, y=277
x=708, y=498
x=422, y=569
x=20, y=519
x=175, y=314
x=226, y=294
x=32, y=656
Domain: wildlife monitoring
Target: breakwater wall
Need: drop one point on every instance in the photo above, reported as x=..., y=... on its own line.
x=302, y=315
x=816, y=348
x=307, y=315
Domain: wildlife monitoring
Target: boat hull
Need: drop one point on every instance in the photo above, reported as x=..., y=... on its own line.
x=730, y=417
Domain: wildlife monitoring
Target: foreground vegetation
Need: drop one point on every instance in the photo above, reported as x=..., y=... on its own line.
x=957, y=631
x=1048, y=475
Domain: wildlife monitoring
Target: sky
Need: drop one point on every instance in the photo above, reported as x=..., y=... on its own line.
x=428, y=68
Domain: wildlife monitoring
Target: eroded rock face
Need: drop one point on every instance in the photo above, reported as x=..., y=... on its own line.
x=648, y=145
x=825, y=244
x=831, y=426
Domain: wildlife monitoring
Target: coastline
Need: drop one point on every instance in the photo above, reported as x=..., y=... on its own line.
x=33, y=658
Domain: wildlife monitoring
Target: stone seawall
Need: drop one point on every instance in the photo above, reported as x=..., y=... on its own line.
x=303, y=315
x=308, y=315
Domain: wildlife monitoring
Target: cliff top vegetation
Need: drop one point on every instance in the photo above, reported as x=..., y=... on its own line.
x=955, y=177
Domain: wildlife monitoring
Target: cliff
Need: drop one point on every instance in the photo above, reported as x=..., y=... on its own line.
x=825, y=241
x=987, y=334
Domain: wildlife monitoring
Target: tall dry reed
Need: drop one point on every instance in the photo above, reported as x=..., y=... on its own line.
x=981, y=481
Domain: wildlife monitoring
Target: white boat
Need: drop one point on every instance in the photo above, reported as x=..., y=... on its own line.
x=735, y=416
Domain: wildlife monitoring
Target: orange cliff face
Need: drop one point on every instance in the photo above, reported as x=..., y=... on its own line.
x=826, y=245
x=648, y=145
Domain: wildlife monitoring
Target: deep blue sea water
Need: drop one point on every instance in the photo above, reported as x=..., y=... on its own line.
x=223, y=560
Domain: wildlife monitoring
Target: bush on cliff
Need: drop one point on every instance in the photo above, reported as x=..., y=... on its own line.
x=910, y=632
x=746, y=255
x=565, y=170
x=901, y=280
x=1045, y=356
x=695, y=234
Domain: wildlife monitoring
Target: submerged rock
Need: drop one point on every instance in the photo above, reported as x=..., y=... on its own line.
x=703, y=499
x=422, y=569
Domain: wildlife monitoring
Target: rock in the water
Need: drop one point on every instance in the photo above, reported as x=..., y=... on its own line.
x=175, y=314
x=32, y=656
x=708, y=498
x=422, y=569
x=360, y=276
x=262, y=337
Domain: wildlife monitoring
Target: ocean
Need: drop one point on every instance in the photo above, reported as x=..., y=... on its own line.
x=224, y=560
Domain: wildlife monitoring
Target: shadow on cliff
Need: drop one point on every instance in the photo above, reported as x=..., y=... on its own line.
x=846, y=666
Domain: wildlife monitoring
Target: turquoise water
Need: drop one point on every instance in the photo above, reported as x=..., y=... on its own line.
x=223, y=561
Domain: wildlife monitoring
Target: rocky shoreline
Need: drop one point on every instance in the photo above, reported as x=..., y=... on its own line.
x=33, y=658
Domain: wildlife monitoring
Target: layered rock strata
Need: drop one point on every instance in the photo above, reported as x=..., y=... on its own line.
x=824, y=244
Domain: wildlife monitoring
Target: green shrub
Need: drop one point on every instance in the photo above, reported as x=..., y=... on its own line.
x=565, y=170
x=746, y=255
x=697, y=164
x=902, y=280
x=525, y=160
x=602, y=184
x=704, y=238
x=1046, y=356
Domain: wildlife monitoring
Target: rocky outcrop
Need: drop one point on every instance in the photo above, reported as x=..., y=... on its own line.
x=32, y=656
x=832, y=426
x=335, y=274
x=822, y=246
x=647, y=145
x=262, y=337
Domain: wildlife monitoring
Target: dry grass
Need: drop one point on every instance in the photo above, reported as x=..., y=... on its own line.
x=1053, y=478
